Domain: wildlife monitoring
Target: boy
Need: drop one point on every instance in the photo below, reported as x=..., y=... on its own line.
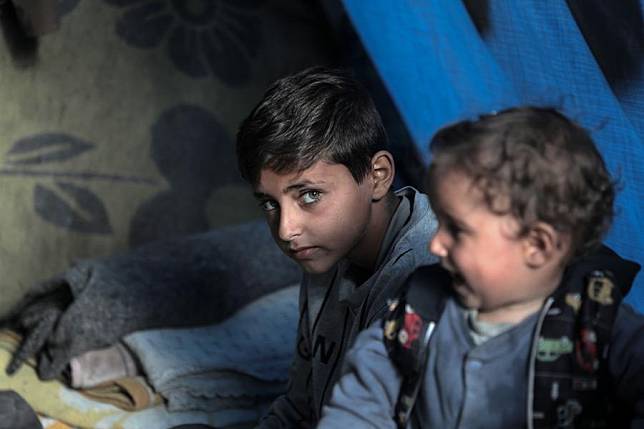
x=521, y=337
x=314, y=150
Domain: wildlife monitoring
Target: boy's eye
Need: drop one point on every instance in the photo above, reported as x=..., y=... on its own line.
x=310, y=197
x=268, y=205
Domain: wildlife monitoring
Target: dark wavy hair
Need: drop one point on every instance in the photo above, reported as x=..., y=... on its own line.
x=318, y=113
x=535, y=164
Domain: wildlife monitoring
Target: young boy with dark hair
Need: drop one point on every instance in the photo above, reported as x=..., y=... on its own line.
x=315, y=152
x=521, y=324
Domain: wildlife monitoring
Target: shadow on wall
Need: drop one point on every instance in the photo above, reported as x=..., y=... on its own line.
x=205, y=41
x=194, y=154
x=190, y=149
x=120, y=127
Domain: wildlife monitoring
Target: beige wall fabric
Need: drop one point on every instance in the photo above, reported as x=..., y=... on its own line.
x=118, y=128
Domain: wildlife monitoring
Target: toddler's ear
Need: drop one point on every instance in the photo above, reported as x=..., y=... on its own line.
x=382, y=173
x=542, y=244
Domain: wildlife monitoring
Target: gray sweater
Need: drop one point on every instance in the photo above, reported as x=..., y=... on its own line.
x=336, y=306
x=469, y=386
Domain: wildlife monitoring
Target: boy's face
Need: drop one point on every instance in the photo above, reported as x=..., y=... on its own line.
x=317, y=216
x=482, y=251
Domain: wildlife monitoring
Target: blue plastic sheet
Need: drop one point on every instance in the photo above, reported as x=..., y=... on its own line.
x=442, y=62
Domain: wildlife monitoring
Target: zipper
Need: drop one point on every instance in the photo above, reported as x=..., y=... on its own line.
x=421, y=375
x=533, y=354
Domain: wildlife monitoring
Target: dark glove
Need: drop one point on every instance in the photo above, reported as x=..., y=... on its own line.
x=35, y=318
x=190, y=281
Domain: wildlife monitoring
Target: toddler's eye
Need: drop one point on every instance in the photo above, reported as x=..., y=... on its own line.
x=453, y=229
x=310, y=197
x=268, y=205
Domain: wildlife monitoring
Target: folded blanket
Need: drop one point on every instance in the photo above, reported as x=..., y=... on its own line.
x=48, y=423
x=244, y=358
x=189, y=281
x=220, y=390
x=96, y=367
x=127, y=393
x=62, y=404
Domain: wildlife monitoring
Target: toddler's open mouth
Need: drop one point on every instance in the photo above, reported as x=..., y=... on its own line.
x=456, y=277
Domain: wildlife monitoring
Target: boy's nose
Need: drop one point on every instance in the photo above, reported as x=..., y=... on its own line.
x=289, y=226
x=437, y=244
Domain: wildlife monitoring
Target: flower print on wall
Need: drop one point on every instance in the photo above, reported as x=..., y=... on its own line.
x=66, y=6
x=201, y=37
x=63, y=196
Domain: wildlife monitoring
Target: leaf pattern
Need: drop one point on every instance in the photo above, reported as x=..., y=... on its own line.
x=45, y=148
x=85, y=214
x=201, y=37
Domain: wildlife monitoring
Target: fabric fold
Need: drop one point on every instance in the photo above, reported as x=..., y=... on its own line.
x=243, y=360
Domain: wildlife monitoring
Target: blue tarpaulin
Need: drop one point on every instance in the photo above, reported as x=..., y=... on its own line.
x=446, y=60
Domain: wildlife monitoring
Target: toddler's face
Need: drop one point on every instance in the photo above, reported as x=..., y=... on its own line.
x=317, y=216
x=482, y=251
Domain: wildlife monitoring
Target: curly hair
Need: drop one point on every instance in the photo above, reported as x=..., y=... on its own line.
x=535, y=164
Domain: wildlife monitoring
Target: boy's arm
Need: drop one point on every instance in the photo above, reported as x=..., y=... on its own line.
x=293, y=409
x=366, y=394
x=626, y=364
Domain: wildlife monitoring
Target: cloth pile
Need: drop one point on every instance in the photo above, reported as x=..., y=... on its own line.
x=193, y=330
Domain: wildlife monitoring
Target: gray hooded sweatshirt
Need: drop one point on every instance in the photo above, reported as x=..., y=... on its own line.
x=337, y=305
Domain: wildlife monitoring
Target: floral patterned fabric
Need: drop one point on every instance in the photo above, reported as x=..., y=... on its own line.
x=118, y=129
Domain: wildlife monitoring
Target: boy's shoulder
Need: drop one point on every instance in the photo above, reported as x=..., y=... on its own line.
x=419, y=223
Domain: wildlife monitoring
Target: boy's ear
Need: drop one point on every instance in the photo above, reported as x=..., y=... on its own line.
x=542, y=244
x=382, y=173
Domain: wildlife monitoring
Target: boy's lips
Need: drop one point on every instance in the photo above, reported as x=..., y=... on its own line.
x=304, y=252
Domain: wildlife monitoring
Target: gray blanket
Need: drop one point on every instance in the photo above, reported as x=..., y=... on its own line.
x=191, y=281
